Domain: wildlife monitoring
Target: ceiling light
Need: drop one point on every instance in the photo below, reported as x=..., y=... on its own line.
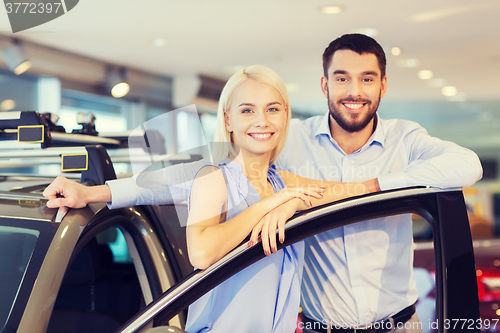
x=117, y=82
x=159, y=42
x=330, y=9
x=16, y=58
x=395, y=51
x=370, y=32
x=425, y=74
x=120, y=90
x=7, y=105
x=449, y=91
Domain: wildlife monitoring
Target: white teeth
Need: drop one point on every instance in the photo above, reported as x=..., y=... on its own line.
x=354, y=106
x=261, y=136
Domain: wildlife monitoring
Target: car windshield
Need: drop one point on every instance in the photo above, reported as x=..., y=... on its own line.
x=16, y=247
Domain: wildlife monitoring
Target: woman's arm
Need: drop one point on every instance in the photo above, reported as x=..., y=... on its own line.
x=277, y=218
x=208, y=239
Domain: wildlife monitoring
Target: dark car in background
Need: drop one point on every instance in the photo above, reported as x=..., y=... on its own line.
x=126, y=270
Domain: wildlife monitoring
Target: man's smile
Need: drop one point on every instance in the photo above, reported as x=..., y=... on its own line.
x=353, y=107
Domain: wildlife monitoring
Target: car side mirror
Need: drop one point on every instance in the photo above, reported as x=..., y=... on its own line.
x=165, y=329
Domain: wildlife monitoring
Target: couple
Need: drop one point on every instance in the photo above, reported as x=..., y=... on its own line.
x=360, y=273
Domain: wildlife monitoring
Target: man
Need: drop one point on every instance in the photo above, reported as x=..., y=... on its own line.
x=362, y=273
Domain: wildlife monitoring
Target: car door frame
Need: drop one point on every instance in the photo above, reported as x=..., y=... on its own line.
x=445, y=210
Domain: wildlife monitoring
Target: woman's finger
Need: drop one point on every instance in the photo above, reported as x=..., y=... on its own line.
x=254, y=237
x=281, y=229
x=306, y=200
x=265, y=236
x=315, y=192
x=272, y=233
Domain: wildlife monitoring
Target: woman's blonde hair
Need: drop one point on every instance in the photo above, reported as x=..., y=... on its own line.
x=223, y=146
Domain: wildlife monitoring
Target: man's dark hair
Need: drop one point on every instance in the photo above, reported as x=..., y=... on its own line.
x=357, y=43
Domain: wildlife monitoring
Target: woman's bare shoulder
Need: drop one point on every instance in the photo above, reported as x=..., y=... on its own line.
x=208, y=197
x=210, y=180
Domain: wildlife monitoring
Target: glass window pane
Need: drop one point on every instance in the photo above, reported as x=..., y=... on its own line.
x=16, y=248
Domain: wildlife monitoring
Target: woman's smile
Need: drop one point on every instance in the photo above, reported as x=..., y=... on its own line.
x=261, y=136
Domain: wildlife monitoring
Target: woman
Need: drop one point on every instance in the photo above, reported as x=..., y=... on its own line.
x=240, y=193
x=243, y=193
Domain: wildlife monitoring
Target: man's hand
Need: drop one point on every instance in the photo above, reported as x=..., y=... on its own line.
x=65, y=192
x=372, y=185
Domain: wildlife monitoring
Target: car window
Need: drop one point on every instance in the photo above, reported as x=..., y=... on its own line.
x=114, y=239
x=16, y=248
x=172, y=219
x=100, y=290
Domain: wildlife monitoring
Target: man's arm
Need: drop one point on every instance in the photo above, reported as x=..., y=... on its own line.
x=160, y=187
x=434, y=162
x=372, y=185
x=165, y=186
x=333, y=191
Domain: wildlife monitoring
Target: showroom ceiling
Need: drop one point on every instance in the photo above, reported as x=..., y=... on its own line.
x=458, y=40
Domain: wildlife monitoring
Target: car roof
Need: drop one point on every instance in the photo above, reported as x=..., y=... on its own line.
x=21, y=197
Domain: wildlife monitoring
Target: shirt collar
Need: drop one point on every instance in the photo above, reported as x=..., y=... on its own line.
x=324, y=126
x=379, y=133
x=377, y=136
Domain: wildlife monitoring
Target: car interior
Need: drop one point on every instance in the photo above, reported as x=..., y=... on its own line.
x=97, y=293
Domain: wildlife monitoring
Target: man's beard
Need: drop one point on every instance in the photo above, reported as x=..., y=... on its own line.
x=353, y=122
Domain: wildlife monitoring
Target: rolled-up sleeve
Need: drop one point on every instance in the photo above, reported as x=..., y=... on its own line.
x=392, y=180
x=436, y=163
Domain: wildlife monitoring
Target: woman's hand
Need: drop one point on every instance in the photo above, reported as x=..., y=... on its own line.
x=65, y=192
x=272, y=221
x=289, y=193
